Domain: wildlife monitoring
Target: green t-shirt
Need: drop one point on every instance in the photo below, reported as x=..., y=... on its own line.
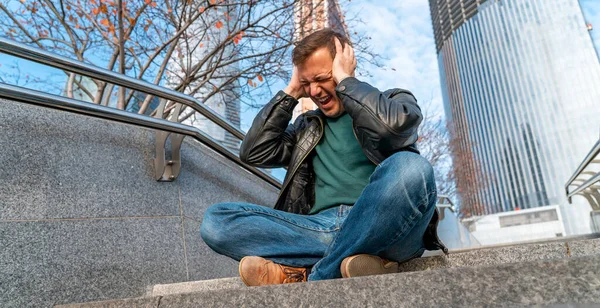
x=341, y=167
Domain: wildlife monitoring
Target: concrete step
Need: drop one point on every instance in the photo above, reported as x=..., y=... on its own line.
x=553, y=250
x=571, y=281
x=197, y=286
x=550, y=250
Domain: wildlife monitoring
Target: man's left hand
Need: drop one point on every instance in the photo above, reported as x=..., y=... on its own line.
x=344, y=63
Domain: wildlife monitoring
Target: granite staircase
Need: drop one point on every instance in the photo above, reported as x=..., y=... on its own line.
x=563, y=273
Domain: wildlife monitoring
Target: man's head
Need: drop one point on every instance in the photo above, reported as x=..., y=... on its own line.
x=313, y=57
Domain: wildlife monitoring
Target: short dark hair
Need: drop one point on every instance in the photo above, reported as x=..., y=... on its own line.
x=316, y=40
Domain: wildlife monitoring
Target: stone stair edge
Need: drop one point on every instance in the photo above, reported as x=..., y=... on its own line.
x=523, y=252
x=479, y=257
x=575, y=282
x=196, y=286
x=566, y=239
x=484, y=256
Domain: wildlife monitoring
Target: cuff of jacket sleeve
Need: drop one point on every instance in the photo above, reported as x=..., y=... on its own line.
x=344, y=89
x=285, y=101
x=346, y=85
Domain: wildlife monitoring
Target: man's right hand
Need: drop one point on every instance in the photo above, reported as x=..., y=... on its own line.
x=294, y=88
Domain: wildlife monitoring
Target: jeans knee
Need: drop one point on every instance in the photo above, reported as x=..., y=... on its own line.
x=211, y=229
x=408, y=174
x=408, y=167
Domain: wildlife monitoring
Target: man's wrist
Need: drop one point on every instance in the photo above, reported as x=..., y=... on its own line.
x=346, y=84
x=341, y=77
x=291, y=92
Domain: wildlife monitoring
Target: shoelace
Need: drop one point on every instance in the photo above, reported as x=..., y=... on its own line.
x=293, y=275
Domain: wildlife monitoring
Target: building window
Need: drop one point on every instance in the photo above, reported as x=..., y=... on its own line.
x=528, y=218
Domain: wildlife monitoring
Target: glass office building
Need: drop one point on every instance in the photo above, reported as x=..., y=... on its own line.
x=521, y=88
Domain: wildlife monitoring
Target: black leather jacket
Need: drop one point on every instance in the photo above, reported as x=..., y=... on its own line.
x=383, y=122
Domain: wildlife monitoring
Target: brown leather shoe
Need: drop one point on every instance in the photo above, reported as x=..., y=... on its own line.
x=257, y=271
x=365, y=265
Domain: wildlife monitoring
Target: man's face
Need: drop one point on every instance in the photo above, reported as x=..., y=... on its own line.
x=316, y=79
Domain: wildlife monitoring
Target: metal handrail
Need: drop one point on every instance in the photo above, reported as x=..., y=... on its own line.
x=47, y=58
x=445, y=201
x=586, y=161
x=44, y=57
x=34, y=97
x=587, y=183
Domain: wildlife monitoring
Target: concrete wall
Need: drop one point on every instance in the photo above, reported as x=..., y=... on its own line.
x=81, y=218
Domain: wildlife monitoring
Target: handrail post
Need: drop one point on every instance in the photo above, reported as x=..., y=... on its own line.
x=167, y=169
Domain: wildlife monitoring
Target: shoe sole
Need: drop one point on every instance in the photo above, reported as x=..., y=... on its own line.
x=366, y=265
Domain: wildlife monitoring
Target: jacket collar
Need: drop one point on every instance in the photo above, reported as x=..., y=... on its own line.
x=317, y=112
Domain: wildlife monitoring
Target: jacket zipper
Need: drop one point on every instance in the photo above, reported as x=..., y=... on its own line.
x=303, y=158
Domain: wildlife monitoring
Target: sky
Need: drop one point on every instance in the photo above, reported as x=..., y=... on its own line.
x=591, y=12
x=401, y=33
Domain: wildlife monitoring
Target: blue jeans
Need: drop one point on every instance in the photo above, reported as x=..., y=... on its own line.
x=388, y=219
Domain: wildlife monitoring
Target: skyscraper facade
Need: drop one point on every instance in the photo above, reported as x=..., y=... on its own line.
x=520, y=82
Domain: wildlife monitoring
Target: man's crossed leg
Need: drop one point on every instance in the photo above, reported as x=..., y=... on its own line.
x=387, y=221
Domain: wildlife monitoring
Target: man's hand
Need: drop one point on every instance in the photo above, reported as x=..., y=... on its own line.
x=294, y=88
x=344, y=63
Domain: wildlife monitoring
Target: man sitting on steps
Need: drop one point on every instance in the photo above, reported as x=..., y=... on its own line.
x=357, y=197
